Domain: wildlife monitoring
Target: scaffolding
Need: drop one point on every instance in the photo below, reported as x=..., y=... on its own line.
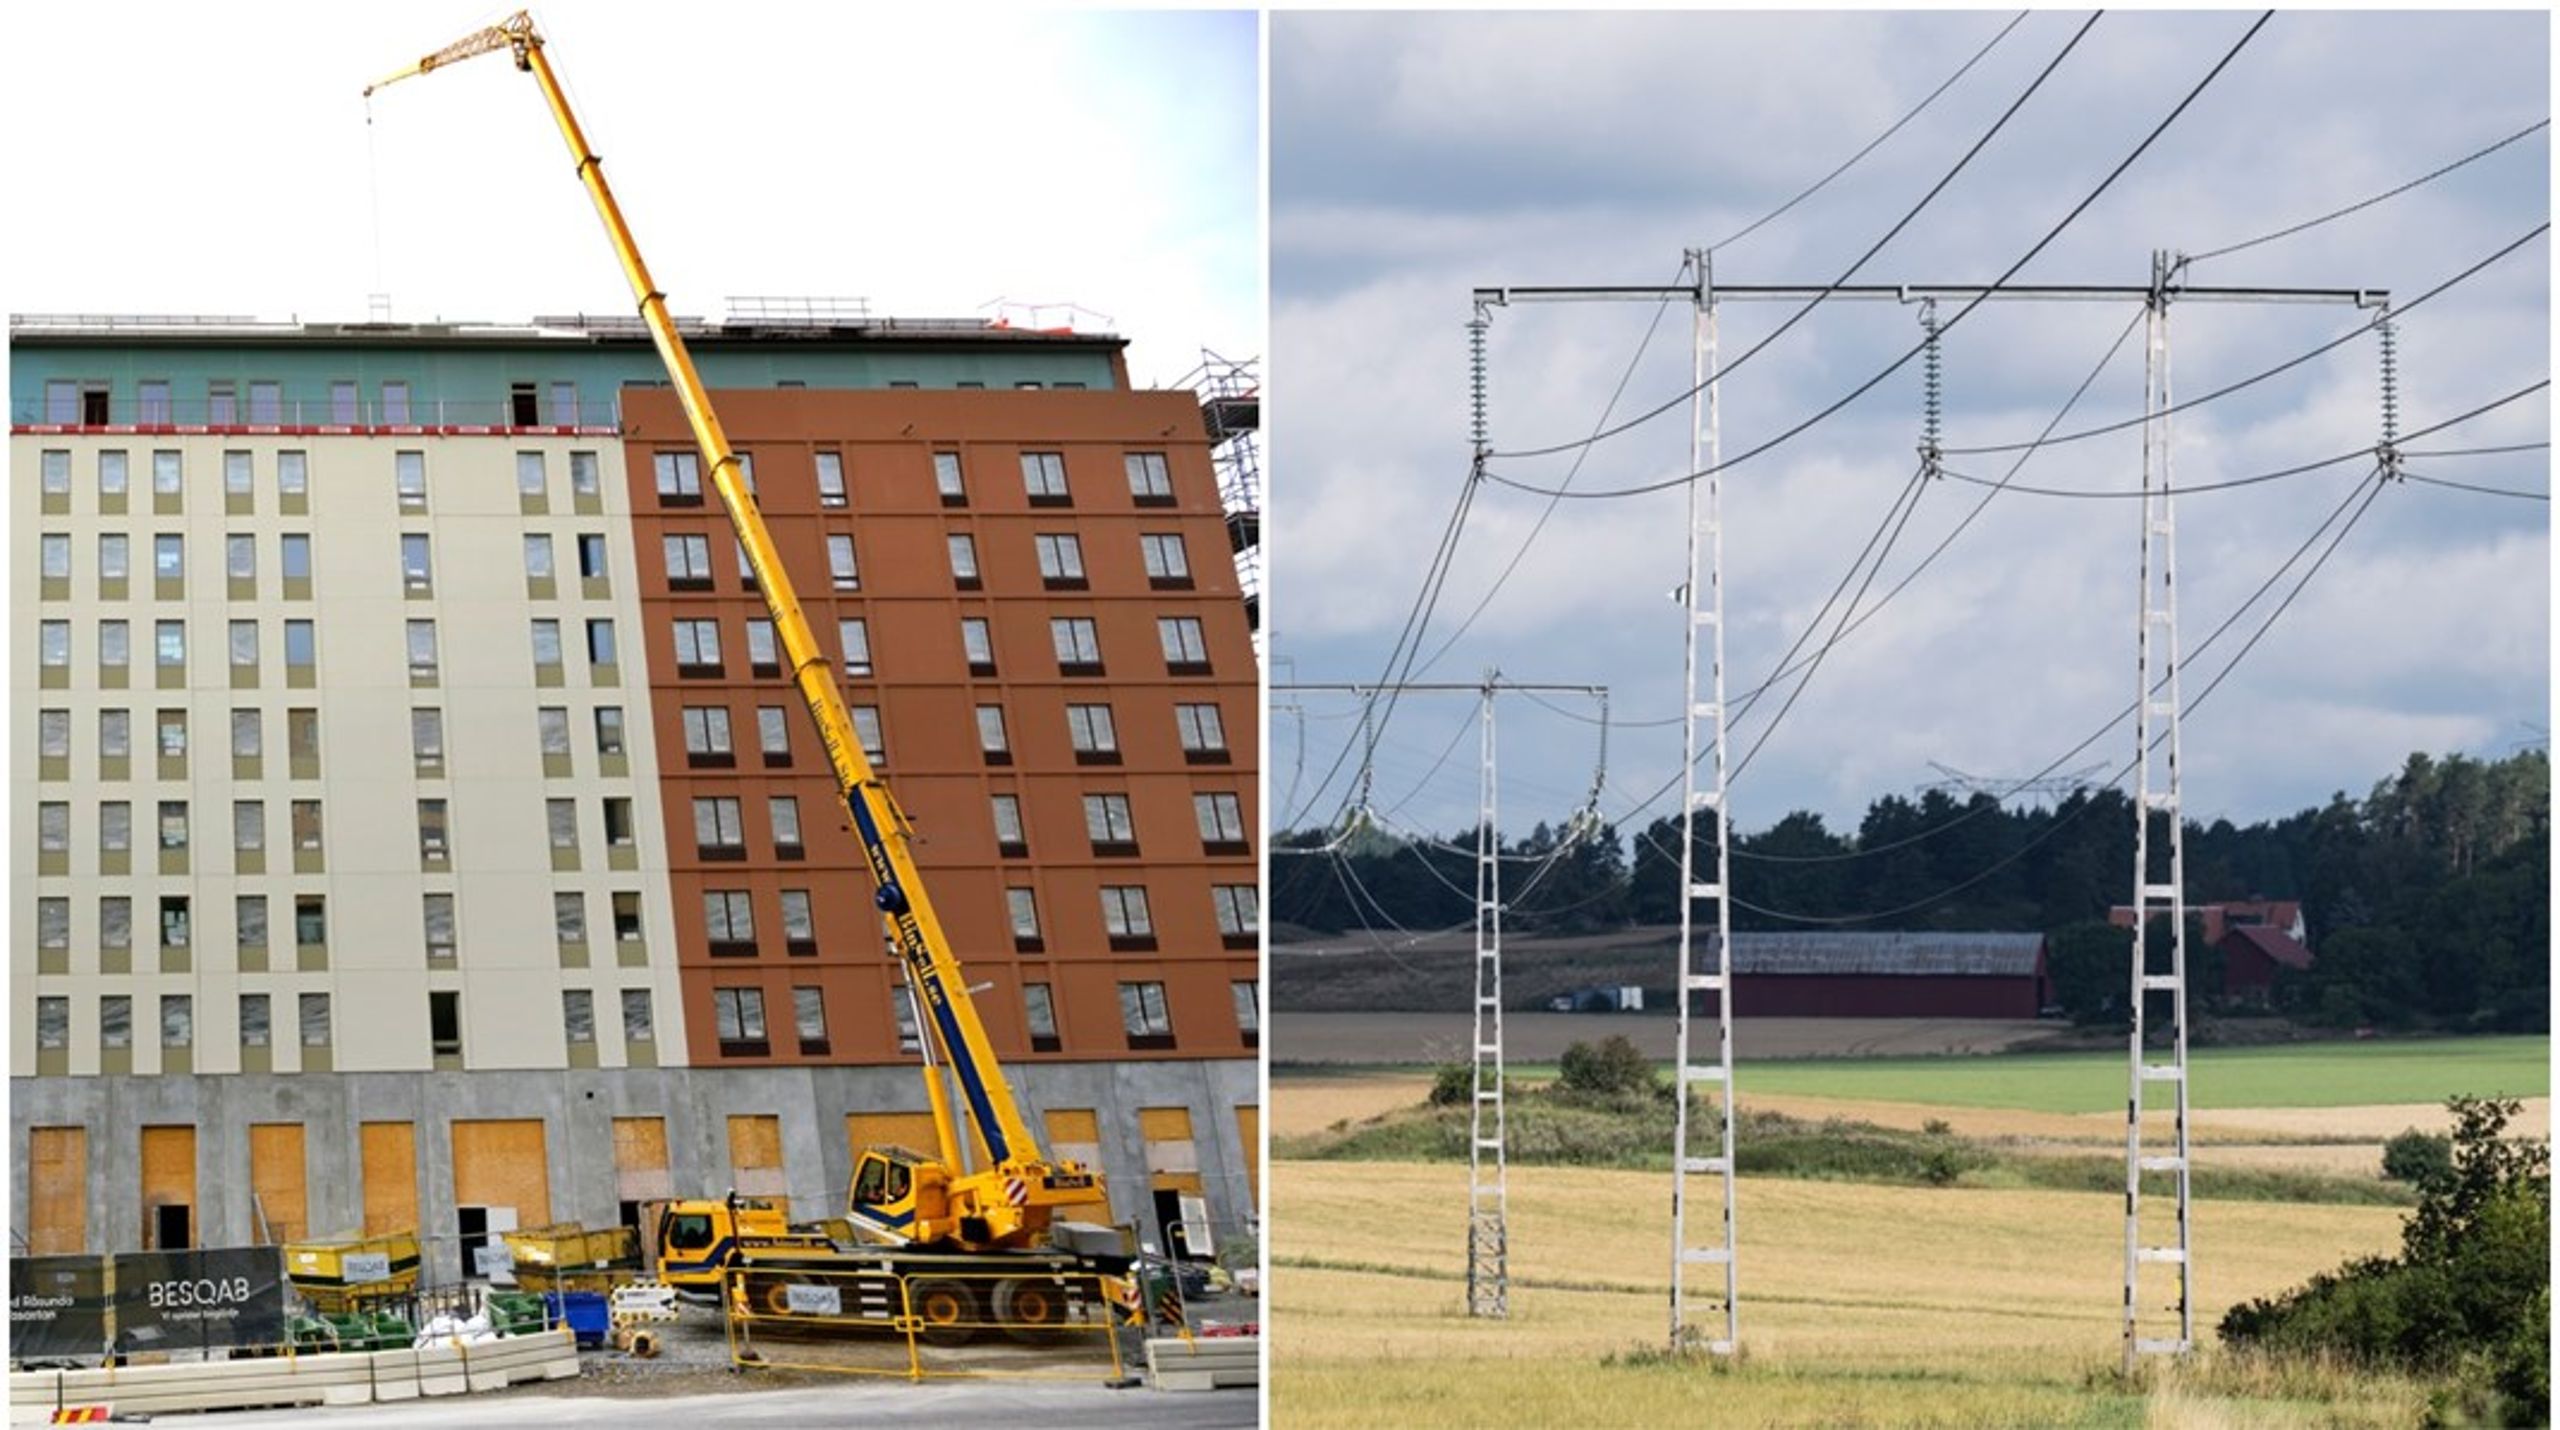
x=1230, y=392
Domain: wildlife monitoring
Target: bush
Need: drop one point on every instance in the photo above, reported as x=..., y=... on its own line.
x=1611, y=1067
x=1452, y=1084
x=2421, y=1159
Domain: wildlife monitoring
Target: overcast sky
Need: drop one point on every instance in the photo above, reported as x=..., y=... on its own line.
x=1417, y=156
x=216, y=159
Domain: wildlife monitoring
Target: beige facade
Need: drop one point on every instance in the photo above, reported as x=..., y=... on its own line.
x=196, y=817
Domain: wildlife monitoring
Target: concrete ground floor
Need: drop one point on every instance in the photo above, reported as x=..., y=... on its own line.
x=107, y=1164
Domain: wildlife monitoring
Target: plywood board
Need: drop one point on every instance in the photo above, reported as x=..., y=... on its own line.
x=913, y=1130
x=640, y=1159
x=168, y=1176
x=276, y=1177
x=1249, y=1131
x=502, y=1163
x=390, y=1177
x=58, y=1191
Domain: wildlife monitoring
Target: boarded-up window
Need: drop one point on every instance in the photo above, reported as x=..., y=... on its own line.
x=390, y=1177
x=277, y=1183
x=755, y=1154
x=912, y=1130
x=1249, y=1130
x=640, y=1159
x=1075, y=1135
x=168, y=1188
x=1173, y=1159
x=58, y=1191
x=501, y=1163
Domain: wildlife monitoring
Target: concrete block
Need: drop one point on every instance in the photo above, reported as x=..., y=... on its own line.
x=440, y=1369
x=395, y=1375
x=1211, y=1363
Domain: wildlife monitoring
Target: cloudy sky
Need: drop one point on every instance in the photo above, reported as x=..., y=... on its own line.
x=216, y=159
x=1417, y=156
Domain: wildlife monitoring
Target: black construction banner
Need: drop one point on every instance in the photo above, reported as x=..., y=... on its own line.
x=57, y=1307
x=202, y=1300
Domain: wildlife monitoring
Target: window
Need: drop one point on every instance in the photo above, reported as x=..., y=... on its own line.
x=238, y=475
x=773, y=734
x=422, y=650
x=306, y=824
x=551, y=723
x=249, y=915
x=115, y=1021
x=115, y=923
x=1044, y=478
x=1143, y=1015
x=53, y=1023
x=533, y=481
x=600, y=648
x=1239, y=913
x=619, y=831
x=746, y=568
x=562, y=815
x=840, y=563
x=902, y=1002
x=175, y=922
x=964, y=559
x=637, y=1025
x=537, y=558
x=1008, y=819
x=244, y=644
x=697, y=647
x=151, y=402
x=426, y=737
x=435, y=831
x=866, y=728
x=1166, y=561
x=609, y=730
x=415, y=573
x=444, y=1023
x=591, y=556
x=1124, y=914
x=946, y=479
x=53, y=827
x=168, y=558
x=1203, y=735
x=1221, y=822
x=1149, y=483
x=1079, y=648
x=438, y=916
x=240, y=558
x=738, y=1016
x=248, y=825
x=115, y=560
x=799, y=933
x=54, y=556
x=1039, y=1018
x=1185, y=651
x=1061, y=558
x=315, y=1020
x=991, y=735
x=706, y=735
x=578, y=1015
x=115, y=827
x=583, y=480
x=546, y=642
x=53, y=734
x=409, y=479
x=170, y=639
x=688, y=562
x=784, y=812
x=53, y=639
x=564, y=405
x=1090, y=731
x=978, y=644
x=1248, y=998
x=830, y=479
x=256, y=1029
x=395, y=403
x=293, y=475
x=679, y=478
x=302, y=735
x=172, y=734
x=854, y=635
x=569, y=917
x=168, y=474
x=62, y=403
x=342, y=403
x=57, y=473
x=177, y=1020
x=248, y=734
x=719, y=831
x=809, y=1013
x=1024, y=908
x=295, y=560
x=760, y=647
x=113, y=480
x=298, y=646
x=115, y=643
x=1107, y=823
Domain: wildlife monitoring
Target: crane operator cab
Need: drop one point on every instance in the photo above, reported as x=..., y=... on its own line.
x=900, y=1196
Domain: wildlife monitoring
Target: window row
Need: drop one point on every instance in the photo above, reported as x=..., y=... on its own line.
x=171, y=739
x=261, y=401
x=54, y=562
x=114, y=479
x=1146, y=1019
x=115, y=826
x=729, y=919
x=1074, y=640
x=679, y=477
x=177, y=1021
x=169, y=649
x=177, y=924
x=541, y=563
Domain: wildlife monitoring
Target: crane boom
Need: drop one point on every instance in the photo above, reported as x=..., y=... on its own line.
x=931, y=969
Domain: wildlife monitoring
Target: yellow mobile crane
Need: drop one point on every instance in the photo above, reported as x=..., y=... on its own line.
x=898, y=1198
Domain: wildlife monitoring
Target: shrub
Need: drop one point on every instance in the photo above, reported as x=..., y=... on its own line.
x=2421, y=1159
x=1452, y=1084
x=1611, y=1067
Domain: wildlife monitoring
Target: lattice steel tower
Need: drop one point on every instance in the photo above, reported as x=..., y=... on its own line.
x=2159, y=874
x=1703, y=595
x=1488, y=1230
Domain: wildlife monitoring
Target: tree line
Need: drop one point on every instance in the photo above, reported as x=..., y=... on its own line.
x=2426, y=900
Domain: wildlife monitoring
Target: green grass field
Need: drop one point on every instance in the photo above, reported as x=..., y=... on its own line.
x=2292, y=1075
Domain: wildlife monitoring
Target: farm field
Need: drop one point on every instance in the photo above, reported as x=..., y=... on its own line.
x=1862, y=1305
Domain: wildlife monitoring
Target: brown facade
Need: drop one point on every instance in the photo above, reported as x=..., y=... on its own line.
x=927, y=693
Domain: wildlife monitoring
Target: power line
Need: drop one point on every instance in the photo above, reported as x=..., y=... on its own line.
x=1846, y=274
x=2543, y=446
x=2536, y=127
x=2474, y=487
x=1949, y=83
x=1961, y=314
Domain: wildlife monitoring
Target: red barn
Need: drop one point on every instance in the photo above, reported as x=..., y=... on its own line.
x=1890, y=975
x=2253, y=955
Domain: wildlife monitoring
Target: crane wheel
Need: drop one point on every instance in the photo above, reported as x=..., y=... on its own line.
x=772, y=1297
x=1029, y=1307
x=946, y=1310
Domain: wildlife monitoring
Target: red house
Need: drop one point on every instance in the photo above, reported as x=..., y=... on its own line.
x=2252, y=955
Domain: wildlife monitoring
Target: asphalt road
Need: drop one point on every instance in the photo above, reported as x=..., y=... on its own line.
x=1064, y=1407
